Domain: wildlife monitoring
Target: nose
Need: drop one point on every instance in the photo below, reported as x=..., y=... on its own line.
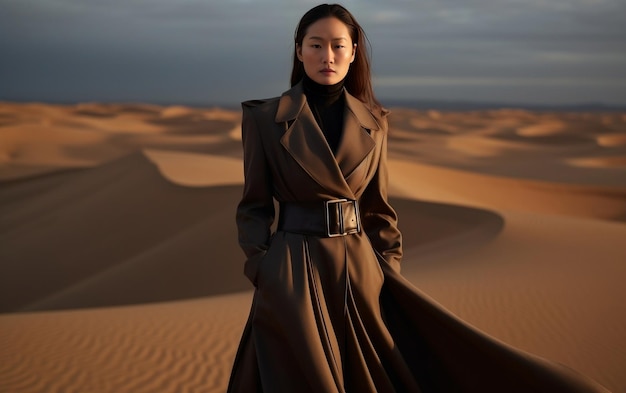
x=329, y=55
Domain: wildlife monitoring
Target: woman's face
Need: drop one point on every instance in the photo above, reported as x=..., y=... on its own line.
x=327, y=51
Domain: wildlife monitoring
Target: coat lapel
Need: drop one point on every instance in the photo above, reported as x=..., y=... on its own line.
x=356, y=142
x=306, y=143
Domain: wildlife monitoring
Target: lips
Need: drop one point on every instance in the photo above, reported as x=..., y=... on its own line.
x=327, y=71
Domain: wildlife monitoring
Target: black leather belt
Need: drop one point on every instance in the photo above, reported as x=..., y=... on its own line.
x=339, y=217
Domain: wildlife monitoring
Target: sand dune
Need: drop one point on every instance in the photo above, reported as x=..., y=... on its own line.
x=611, y=140
x=550, y=285
x=513, y=143
x=183, y=239
x=196, y=170
x=77, y=224
x=38, y=138
x=543, y=129
x=599, y=162
x=501, y=193
x=113, y=216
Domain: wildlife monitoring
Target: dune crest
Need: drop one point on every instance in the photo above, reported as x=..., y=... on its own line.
x=612, y=140
x=452, y=186
x=599, y=162
x=196, y=170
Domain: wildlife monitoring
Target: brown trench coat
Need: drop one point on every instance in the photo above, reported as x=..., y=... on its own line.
x=334, y=314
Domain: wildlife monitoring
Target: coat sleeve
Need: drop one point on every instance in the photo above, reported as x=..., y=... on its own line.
x=379, y=219
x=255, y=211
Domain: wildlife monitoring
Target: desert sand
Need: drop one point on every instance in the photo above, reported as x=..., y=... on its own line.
x=120, y=270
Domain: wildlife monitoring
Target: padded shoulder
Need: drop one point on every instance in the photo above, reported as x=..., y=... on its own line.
x=257, y=103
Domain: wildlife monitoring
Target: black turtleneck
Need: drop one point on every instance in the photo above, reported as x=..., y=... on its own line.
x=327, y=104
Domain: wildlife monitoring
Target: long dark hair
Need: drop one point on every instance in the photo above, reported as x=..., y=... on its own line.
x=358, y=80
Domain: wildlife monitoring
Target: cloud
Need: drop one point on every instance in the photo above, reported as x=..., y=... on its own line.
x=244, y=47
x=418, y=81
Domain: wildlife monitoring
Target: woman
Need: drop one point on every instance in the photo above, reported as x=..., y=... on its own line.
x=331, y=312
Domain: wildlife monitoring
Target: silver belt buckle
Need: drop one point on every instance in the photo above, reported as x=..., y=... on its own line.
x=342, y=228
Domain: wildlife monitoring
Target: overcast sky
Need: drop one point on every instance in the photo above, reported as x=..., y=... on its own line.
x=223, y=52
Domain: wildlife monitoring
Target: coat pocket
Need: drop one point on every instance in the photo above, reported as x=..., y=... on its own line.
x=394, y=264
x=253, y=264
x=251, y=267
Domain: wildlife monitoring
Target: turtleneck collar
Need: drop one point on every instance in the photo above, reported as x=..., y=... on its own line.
x=322, y=94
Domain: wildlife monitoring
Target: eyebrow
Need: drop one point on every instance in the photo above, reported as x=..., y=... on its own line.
x=332, y=39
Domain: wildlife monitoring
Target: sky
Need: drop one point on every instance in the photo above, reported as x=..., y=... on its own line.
x=206, y=52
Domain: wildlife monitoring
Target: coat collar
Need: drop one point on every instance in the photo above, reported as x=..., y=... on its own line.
x=306, y=143
x=293, y=100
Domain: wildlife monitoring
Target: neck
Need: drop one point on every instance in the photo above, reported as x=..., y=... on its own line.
x=323, y=94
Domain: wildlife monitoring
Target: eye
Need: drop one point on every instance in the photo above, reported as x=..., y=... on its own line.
x=340, y=46
x=316, y=46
